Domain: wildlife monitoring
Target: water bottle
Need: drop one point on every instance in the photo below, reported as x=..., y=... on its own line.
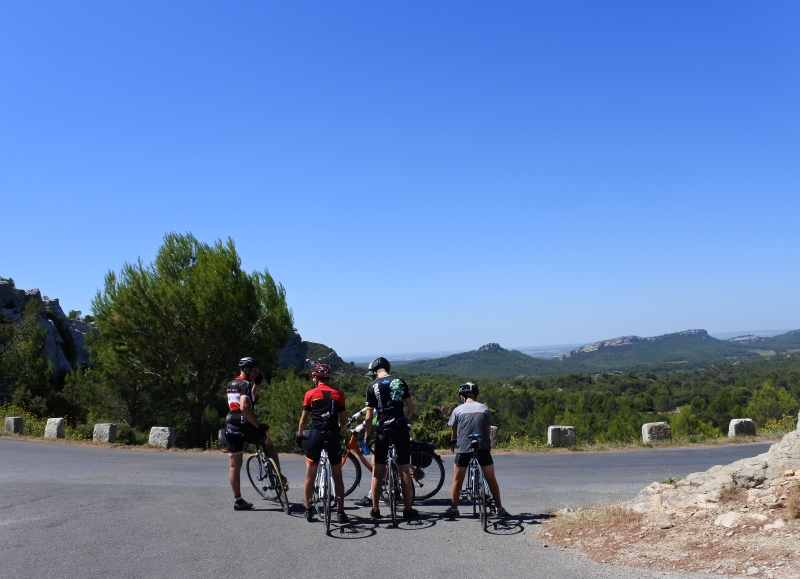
x=364, y=447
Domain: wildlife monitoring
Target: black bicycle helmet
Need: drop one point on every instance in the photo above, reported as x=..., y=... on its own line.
x=468, y=390
x=380, y=362
x=248, y=362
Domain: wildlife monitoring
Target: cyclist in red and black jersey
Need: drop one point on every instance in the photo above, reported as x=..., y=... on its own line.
x=326, y=407
x=242, y=426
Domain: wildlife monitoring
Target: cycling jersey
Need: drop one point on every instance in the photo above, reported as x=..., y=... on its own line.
x=385, y=396
x=236, y=389
x=471, y=418
x=324, y=403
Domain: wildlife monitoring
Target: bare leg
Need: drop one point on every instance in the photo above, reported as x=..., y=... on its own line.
x=488, y=473
x=377, y=478
x=405, y=480
x=308, y=487
x=459, y=472
x=234, y=474
x=338, y=485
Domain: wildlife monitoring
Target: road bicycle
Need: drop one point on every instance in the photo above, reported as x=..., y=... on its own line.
x=391, y=489
x=427, y=469
x=266, y=478
x=477, y=489
x=323, y=495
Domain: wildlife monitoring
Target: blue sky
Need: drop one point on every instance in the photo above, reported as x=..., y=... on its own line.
x=419, y=176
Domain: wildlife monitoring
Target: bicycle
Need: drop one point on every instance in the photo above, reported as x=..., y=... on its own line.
x=266, y=478
x=391, y=489
x=427, y=468
x=477, y=489
x=323, y=490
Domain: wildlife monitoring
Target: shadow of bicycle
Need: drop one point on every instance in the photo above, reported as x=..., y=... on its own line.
x=515, y=524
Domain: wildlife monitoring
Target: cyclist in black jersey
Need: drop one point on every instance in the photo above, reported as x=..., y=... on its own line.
x=385, y=397
x=242, y=426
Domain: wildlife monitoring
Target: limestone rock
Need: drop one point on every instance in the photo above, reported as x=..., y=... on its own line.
x=778, y=524
x=741, y=427
x=106, y=432
x=493, y=436
x=656, y=431
x=14, y=424
x=54, y=428
x=163, y=436
x=293, y=354
x=728, y=520
x=561, y=435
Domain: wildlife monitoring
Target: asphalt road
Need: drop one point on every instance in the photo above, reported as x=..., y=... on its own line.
x=84, y=511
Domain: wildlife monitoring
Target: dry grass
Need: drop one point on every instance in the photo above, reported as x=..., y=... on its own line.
x=732, y=494
x=793, y=501
x=594, y=516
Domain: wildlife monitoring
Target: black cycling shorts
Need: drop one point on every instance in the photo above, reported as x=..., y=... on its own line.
x=402, y=444
x=240, y=435
x=484, y=458
x=319, y=439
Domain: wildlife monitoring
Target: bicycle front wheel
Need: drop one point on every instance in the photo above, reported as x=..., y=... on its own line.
x=257, y=473
x=427, y=481
x=276, y=482
x=351, y=473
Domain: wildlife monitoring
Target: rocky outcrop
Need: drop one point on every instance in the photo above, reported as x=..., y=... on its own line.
x=65, y=344
x=491, y=347
x=293, y=354
x=762, y=476
x=627, y=341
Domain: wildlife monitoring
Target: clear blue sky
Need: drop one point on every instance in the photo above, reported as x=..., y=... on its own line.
x=419, y=175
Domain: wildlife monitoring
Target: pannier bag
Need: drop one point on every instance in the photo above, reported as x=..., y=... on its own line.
x=419, y=459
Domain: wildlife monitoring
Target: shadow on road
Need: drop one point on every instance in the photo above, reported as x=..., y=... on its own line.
x=515, y=524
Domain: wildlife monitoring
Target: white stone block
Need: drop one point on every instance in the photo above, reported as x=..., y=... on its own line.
x=656, y=431
x=106, y=432
x=740, y=427
x=162, y=436
x=493, y=436
x=14, y=424
x=561, y=436
x=54, y=428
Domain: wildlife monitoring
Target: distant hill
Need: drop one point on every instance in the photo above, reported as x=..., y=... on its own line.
x=667, y=353
x=322, y=354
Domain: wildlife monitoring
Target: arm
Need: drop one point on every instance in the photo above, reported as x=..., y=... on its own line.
x=247, y=411
x=342, y=419
x=367, y=423
x=410, y=407
x=302, y=426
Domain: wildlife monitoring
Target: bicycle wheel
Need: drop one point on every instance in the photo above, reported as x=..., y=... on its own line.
x=391, y=489
x=319, y=492
x=277, y=483
x=429, y=480
x=482, y=503
x=475, y=494
x=351, y=473
x=257, y=473
x=326, y=497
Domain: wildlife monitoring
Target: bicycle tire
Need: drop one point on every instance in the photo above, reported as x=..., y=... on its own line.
x=327, y=496
x=482, y=504
x=432, y=477
x=475, y=492
x=319, y=490
x=391, y=487
x=351, y=473
x=259, y=478
x=277, y=483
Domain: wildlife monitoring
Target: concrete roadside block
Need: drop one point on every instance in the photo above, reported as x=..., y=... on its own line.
x=493, y=436
x=561, y=436
x=656, y=431
x=222, y=444
x=163, y=436
x=54, y=428
x=14, y=424
x=741, y=427
x=105, y=433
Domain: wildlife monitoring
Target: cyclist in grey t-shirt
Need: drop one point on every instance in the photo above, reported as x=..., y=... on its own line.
x=472, y=417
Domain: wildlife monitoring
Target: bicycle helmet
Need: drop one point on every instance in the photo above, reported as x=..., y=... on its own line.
x=248, y=362
x=380, y=362
x=321, y=371
x=468, y=390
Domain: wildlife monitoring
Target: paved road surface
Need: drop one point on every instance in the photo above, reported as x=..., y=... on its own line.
x=80, y=511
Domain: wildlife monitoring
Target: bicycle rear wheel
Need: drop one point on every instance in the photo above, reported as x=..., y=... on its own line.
x=257, y=473
x=475, y=494
x=318, y=499
x=482, y=504
x=391, y=489
x=429, y=480
x=327, y=496
x=276, y=483
x=351, y=473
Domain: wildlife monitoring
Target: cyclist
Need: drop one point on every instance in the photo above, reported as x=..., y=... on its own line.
x=385, y=396
x=242, y=426
x=326, y=407
x=472, y=417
